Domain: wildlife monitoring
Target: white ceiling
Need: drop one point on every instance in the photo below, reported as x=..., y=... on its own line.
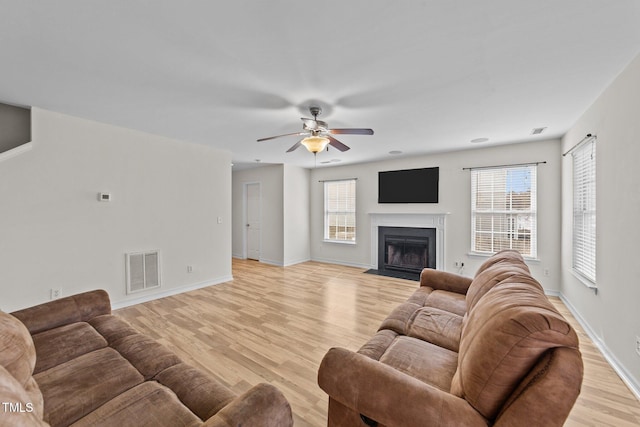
x=427, y=76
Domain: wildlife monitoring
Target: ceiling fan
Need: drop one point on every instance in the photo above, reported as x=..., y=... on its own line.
x=318, y=135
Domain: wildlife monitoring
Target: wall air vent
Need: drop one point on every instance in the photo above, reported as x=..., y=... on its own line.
x=143, y=271
x=537, y=131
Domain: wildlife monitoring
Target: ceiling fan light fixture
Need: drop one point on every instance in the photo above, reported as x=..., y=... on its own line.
x=315, y=144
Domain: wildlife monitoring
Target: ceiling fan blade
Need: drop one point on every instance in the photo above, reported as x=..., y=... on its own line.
x=295, y=146
x=279, y=136
x=351, y=131
x=337, y=144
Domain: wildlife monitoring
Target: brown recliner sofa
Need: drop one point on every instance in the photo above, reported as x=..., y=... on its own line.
x=491, y=350
x=71, y=362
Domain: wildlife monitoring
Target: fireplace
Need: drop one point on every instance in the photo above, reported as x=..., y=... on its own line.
x=405, y=253
x=406, y=249
x=415, y=223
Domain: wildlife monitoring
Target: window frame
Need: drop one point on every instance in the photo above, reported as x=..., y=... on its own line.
x=350, y=211
x=507, y=216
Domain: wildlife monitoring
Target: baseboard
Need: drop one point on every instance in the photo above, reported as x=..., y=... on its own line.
x=624, y=375
x=170, y=292
x=340, y=262
x=272, y=262
x=290, y=263
x=552, y=293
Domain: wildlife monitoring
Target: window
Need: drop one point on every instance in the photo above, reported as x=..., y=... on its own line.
x=503, y=209
x=584, y=210
x=340, y=211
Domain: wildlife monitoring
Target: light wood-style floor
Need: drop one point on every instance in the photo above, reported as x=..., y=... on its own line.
x=274, y=324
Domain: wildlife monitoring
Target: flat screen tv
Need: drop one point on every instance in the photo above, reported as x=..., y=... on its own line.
x=408, y=186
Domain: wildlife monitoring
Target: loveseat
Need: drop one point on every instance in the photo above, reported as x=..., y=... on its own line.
x=71, y=362
x=491, y=350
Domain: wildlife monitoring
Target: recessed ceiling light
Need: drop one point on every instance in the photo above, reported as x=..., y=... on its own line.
x=477, y=140
x=395, y=152
x=537, y=131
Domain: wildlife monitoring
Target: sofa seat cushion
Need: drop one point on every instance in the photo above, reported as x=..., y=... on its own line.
x=448, y=301
x=436, y=326
x=378, y=344
x=147, y=404
x=75, y=388
x=144, y=353
x=422, y=360
x=59, y=345
x=199, y=392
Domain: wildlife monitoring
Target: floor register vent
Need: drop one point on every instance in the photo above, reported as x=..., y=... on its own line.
x=143, y=271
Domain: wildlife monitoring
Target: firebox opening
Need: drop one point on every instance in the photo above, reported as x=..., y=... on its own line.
x=404, y=251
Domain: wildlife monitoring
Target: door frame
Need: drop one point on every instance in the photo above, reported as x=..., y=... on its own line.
x=245, y=217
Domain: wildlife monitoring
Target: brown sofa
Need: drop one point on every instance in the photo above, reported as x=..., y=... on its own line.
x=491, y=350
x=71, y=362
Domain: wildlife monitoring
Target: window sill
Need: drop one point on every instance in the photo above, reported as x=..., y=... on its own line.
x=587, y=282
x=340, y=242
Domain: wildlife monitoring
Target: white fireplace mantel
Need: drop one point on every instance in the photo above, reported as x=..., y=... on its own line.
x=419, y=220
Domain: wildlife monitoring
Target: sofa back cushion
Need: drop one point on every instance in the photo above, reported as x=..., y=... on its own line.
x=18, y=358
x=504, y=336
x=499, y=267
x=505, y=256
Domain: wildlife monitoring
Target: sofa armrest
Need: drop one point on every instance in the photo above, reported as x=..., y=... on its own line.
x=262, y=406
x=76, y=308
x=389, y=396
x=445, y=281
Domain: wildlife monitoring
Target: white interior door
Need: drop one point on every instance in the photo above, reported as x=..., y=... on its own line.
x=253, y=220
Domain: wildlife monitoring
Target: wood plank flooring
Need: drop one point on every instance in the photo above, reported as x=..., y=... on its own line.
x=274, y=324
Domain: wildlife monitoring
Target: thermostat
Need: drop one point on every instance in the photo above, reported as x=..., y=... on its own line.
x=104, y=197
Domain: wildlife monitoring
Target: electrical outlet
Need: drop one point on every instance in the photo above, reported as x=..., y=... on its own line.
x=546, y=271
x=56, y=293
x=638, y=345
x=458, y=264
x=189, y=269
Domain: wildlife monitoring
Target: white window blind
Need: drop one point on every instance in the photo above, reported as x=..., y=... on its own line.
x=503, y=209
x=584, y=210
x=340, y=210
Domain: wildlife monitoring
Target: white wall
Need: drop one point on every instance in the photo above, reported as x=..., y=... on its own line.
x=284, y=209
x=270, y=178
x=167, y=195
x=612, y=316
x=296, y=215
x=455, y=199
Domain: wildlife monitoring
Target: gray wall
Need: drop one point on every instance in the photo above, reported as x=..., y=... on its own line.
x=270, y=178
x=284, y=202
x=455, y=199
x=167, y=195
x=611, y=316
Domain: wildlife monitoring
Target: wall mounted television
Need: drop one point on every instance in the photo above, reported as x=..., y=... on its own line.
x=409, y=186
